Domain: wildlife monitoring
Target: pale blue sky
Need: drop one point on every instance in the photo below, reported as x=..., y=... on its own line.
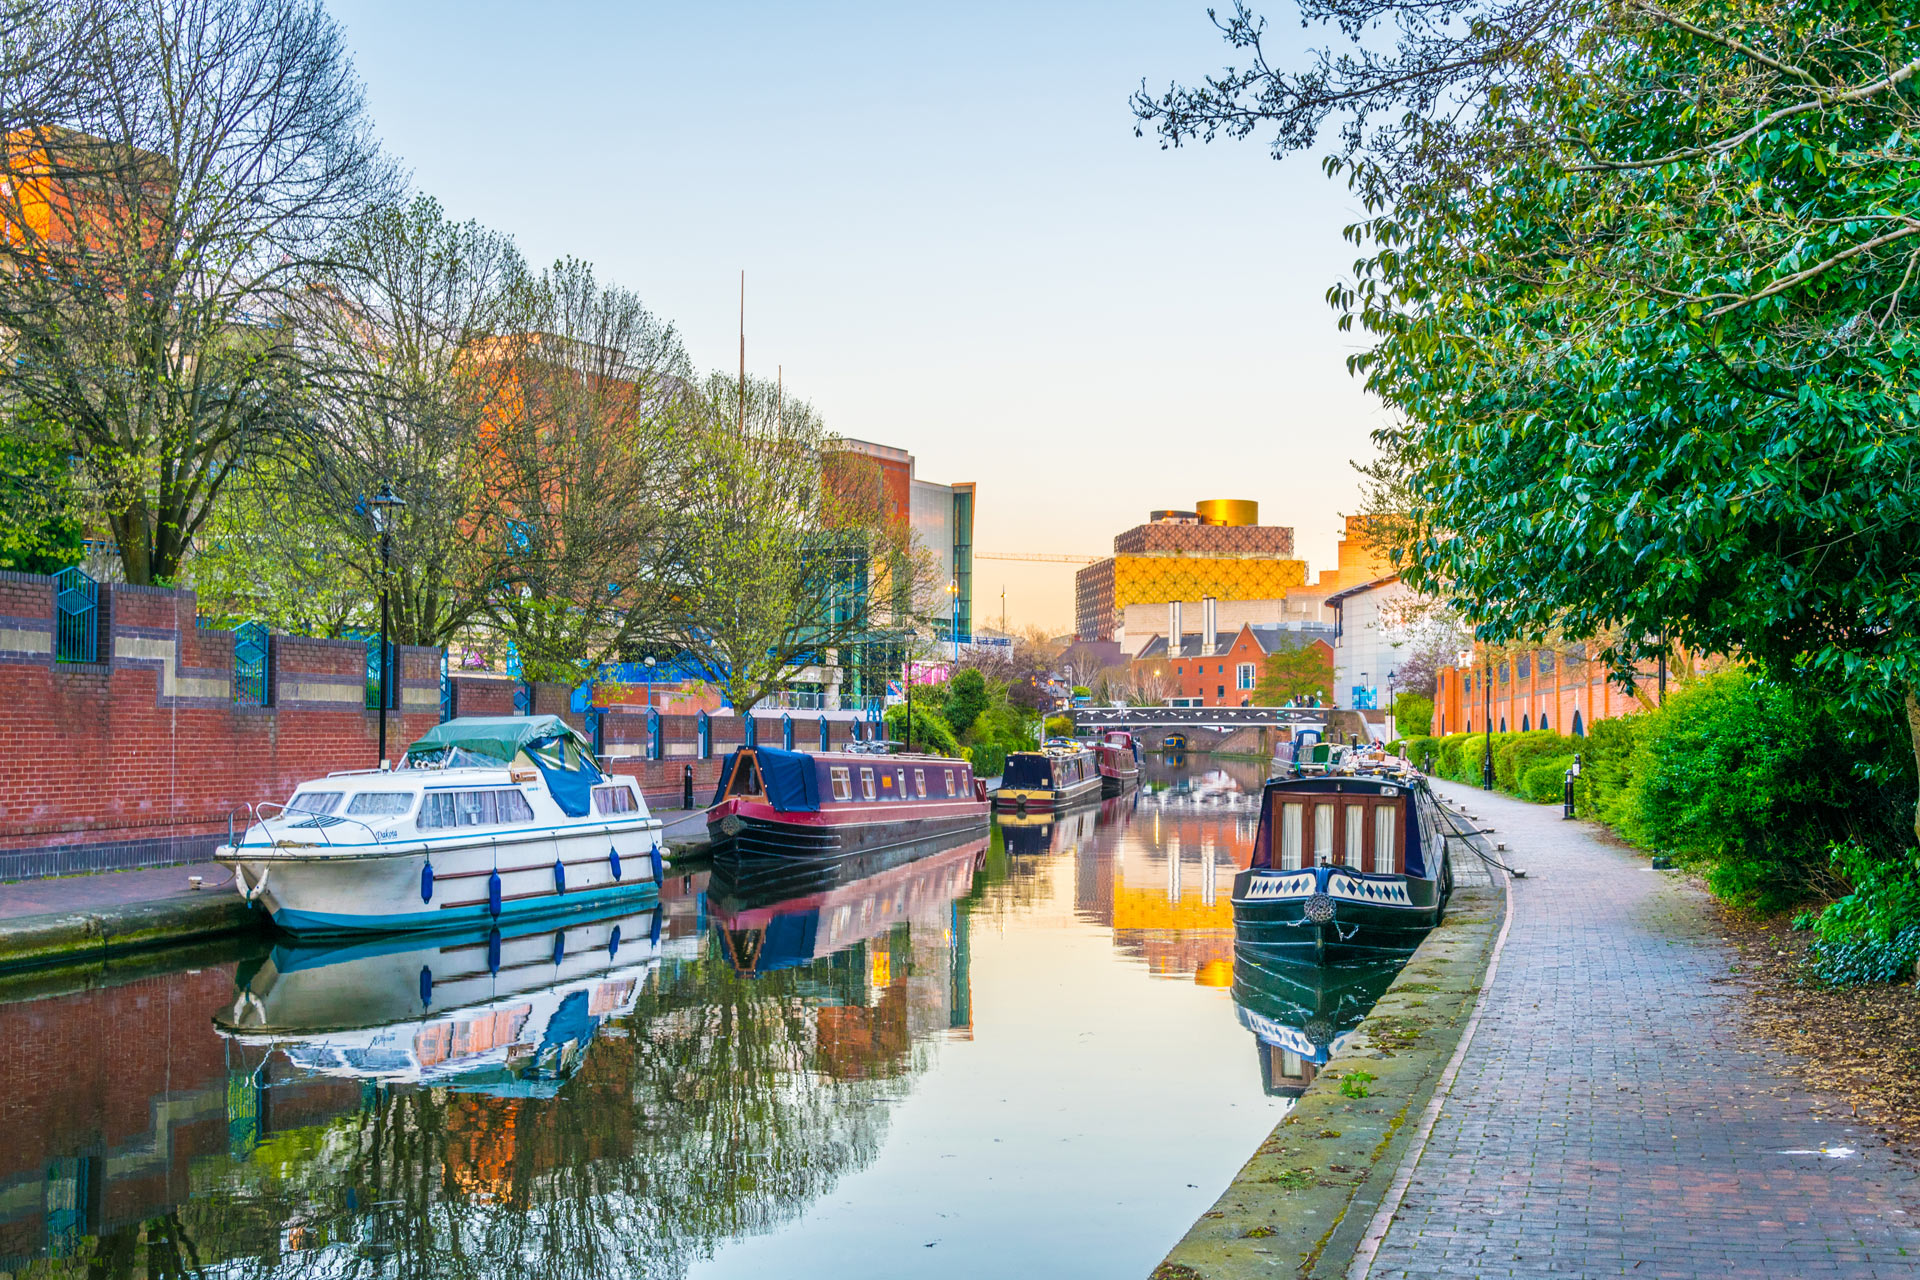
x=953, y=241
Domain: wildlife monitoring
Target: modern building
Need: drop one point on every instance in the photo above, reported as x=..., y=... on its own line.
x=1219, y=668
x=941, y=519
x=1366, y=657
x=1219, y=549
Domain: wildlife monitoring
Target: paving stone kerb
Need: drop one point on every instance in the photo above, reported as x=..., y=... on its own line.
x=83, y=936
x=1612, y=1116
x=1301, y=1204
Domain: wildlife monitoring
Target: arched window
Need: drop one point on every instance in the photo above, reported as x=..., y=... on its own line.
x=1503, y=724
x=1578, y=730
x=1526, y=723
x=1543, y=720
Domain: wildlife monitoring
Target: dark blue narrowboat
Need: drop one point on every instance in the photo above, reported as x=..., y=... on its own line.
x=1344, y=867
x=830, y=804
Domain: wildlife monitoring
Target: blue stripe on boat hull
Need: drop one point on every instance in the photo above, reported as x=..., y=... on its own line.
x=308, y=922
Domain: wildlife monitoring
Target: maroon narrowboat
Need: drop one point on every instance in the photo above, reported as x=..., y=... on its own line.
x=1119, y=757
x=824, y=804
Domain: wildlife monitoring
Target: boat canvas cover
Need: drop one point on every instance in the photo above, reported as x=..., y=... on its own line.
x=792, y=782
x=563, y=756
x=496, y=737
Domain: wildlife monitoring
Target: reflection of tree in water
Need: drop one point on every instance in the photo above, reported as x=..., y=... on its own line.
x=722, y=1107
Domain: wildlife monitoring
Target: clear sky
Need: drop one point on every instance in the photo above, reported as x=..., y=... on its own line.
x=953, y=241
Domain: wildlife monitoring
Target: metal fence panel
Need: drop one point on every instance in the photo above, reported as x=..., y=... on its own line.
x=76, y=607
x=252, y=647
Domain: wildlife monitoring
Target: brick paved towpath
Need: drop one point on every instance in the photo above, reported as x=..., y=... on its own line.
x=1611, y=1118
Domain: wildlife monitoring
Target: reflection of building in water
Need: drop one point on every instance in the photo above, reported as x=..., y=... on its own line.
x=1167, y=895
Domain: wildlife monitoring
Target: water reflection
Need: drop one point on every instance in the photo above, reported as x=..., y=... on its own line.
x=1301, y=1014
x=646, y=1094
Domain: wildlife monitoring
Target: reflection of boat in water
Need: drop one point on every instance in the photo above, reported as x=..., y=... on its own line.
x=819, y=804
x=506, y=1012
x=781, y=915
x=1344, y=865
x=1302, y=1014
x=1029, y=835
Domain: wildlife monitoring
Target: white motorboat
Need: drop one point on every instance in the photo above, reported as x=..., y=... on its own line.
x=488, y=818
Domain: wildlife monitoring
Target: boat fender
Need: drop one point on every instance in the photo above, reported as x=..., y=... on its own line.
x=426, y=882
x=559, y=876
x=493, y=951
x=613, y=943
x=493, y=895
x=613, y=859
x=559, y=947
x=659, y=866
x=426, y=986
x=655, y=938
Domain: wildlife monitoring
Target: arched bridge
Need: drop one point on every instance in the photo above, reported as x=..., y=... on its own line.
x=1085, y=718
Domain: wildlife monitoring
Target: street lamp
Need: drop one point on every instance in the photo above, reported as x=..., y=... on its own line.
x=1486, y=760
x=953, y=627
x=649, y=680
x=1390, y=678
x=381, y=508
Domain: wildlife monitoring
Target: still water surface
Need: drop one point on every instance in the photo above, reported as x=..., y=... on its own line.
x=1029, y=1053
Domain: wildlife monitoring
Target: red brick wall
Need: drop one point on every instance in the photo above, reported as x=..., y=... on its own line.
x=148, y=743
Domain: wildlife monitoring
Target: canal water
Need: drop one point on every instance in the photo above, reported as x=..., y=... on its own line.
x=1031, y=1053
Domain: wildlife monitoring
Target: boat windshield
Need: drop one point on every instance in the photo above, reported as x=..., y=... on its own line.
x=320, y=802
x=1027, y=772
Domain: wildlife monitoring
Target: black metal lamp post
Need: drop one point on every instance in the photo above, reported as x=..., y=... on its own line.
x=1486, y=761
x=381, y=507
x=1392, y=728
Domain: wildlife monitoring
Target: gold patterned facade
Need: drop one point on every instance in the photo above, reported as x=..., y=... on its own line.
x=1153, y=579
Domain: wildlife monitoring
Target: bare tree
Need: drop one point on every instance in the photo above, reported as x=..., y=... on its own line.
x=588, y=465
x=793, y=563
x=155, y=227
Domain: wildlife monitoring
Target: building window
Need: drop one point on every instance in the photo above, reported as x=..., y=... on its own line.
x=1579, y=730
x=1526, y=723
x=1220, y=691
x=1220, y=670
x=1243, y=675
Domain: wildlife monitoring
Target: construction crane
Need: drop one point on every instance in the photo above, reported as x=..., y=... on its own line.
x=1046, y=556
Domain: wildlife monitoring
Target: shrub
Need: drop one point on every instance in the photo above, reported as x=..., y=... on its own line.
x=1413, y=714
x=1606, y=772
x=989, y=759
x=1872, y=934
x=931, y=733
x=1757, y=783
x=967, y=697
x=1059, y=726
x=1544, y=781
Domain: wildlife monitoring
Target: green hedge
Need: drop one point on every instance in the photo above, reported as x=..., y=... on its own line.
x=989, y=759
x=1545, y=781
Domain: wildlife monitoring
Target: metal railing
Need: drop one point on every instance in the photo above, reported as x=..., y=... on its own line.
x=76, y=610
x=252, y=650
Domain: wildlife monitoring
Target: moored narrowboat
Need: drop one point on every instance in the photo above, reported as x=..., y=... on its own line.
x=1344, y=866
x=1062, y=773
x=1118, y=756
x=829, y=804
x=1174, y=742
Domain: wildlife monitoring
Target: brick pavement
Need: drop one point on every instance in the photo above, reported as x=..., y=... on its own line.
x=1611, y=1118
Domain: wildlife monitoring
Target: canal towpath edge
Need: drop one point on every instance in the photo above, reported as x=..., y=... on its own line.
x=1304, y=1203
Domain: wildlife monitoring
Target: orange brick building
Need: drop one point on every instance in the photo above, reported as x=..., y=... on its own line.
x=1224, y=673
x=1558, y=689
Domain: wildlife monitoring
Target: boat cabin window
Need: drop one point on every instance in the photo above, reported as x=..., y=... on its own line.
x=474, y=808
x=614, y=800
x=1290, y=818
x=1383, y=837
x=842, y=782
x=1322, y=834
x=384, y=804
x=949, y=782
x=1356, y=835
x=746, y=777
x=866, y=783
x=321, y=802
x=920, y=783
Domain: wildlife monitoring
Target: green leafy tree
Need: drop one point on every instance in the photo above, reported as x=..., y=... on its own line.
x=967, y=697
x=1294, y=675
x=39, y=529
x=1641, y=283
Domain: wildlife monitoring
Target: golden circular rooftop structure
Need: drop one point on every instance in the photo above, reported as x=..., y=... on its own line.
x=1228, y=511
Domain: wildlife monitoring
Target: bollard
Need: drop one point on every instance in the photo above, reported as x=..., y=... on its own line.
x=1566, y=804
x=686, y=788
